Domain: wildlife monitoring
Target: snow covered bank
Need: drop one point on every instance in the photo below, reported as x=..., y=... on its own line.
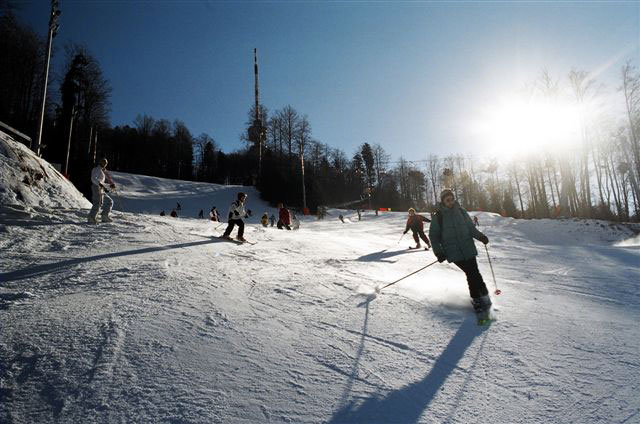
x=28, y=182
x=151, y=195
x=153, y=319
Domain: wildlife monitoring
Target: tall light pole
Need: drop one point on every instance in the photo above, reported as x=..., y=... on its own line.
x=53, y=30
x=257, y=131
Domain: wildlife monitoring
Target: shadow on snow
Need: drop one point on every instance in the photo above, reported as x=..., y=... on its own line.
x=407, y=404
x=38, y=270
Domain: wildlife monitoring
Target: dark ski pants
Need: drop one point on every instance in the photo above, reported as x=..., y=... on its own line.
x=282, y=225
x=233, y=223
x=477, y=287
x=419, y=234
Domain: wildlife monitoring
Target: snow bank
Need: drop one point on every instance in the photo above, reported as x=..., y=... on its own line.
x=151, y=195
x=28, y=182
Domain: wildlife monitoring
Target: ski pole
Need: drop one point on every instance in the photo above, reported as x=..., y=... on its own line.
x=401, y=238
x=498, y=291
x=378, y=289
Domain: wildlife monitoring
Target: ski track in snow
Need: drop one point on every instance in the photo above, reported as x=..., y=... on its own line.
x=153, y=319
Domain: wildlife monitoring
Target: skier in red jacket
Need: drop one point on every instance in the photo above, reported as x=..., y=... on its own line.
x=415, y=223
x=285, y=218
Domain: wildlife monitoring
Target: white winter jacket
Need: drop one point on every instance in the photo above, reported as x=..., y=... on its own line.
x=97, y=176
x=236, y=211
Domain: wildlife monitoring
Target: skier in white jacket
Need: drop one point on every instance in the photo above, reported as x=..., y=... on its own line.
x=236, y=213
x=98, y=196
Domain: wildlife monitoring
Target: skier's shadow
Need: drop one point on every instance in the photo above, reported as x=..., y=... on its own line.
x=407, y=404
x=383, y=255
x=38, y=270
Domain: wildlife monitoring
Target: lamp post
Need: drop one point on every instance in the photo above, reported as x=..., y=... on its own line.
x=53, y=30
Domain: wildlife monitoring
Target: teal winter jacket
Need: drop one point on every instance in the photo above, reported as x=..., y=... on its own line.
x=453, y=234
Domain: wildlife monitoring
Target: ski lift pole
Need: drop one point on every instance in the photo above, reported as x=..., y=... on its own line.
x=498, y=291
x=379, y=289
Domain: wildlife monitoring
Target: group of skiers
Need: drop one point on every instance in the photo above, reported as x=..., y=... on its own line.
x=451, y=232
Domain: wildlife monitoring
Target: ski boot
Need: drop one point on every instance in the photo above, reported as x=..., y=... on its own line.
x=482, y=307
x=106, y=219
x=92, y=220
x=241, y=239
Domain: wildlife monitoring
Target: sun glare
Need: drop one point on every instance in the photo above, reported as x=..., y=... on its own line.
x=515, y=126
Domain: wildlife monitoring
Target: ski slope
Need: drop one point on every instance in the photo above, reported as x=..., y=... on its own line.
x=153, y=319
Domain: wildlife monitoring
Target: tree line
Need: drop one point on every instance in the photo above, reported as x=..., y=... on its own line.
x=598, y=178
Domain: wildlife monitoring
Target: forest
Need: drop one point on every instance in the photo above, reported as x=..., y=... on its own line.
x=597, y=177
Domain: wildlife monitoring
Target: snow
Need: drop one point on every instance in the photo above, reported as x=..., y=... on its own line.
x=28, y=182
x=154, y=319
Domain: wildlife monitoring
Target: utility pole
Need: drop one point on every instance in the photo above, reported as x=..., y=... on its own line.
x=66, y=162
x=257, y=131
x=53, y=30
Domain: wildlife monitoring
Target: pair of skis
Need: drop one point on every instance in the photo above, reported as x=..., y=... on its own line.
x=236, y=241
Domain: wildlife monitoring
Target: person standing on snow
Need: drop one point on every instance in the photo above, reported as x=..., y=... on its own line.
x=99, y=198
x=415, y=223
x=201, y=214
x=264, y=220
x=285, y=218
x=236, y=213
x=272, y=220
x=452, y=233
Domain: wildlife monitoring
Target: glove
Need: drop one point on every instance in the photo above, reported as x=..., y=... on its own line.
x=248, y=212
x=484, y=239
x=112, y=185
x=441, y=257
x=405, y=231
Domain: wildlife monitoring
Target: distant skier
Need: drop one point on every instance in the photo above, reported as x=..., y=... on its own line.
x=236, y=213
x=272, y=220
x=213, y=214
x=99, y=198
x=359, y=215
x=285, y=218
x=452, y=233
x=178, y=207
x=475, y=221
x=174, y=214
x=201, y=214
x=341, y=218
x=415, y=223
x=295, y=222
x=162, y=213
x=264, y=220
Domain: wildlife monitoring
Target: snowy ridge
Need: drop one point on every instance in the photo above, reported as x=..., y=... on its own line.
x=28, y=182
x=151, y=195
x=154, y=319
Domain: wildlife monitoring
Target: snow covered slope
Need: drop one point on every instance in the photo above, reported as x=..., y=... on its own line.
x=153, y=319
x=27, y=181
x=151, y=195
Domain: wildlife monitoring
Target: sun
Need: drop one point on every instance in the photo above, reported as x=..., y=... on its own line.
x=515, y=126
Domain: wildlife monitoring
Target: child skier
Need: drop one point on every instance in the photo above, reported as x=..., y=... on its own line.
x=201, y=214
x=415, y=223
x=272, y=219
x=213, y=215
x=236, y=213
x=98, y=193
x=285, y=218
x=452, y=233
x=264, y=220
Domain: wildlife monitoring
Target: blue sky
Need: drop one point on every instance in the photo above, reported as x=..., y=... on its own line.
x=407, y=75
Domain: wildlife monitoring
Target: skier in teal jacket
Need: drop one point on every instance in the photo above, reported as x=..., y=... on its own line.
x=452, y=233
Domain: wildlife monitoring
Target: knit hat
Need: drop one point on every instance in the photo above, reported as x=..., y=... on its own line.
x=241, y=195
x=446, y=192
x=412, y=210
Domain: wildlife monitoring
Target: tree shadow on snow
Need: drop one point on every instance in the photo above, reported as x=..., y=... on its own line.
x=384, y=254
x=38, y=270
x=407, y=404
